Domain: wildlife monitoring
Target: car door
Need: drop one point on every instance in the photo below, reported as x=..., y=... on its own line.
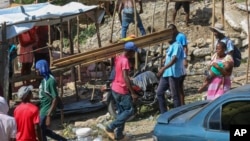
x=213, y=127
x=231, y=112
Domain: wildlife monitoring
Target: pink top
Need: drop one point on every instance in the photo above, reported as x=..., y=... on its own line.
x=27, y=56
x=119, y=85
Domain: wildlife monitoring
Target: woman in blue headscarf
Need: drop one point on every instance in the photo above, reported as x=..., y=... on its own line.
x=12, y=56
x=48, y=96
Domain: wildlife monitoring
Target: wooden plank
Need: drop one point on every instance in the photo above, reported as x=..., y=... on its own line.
x=140, y=42
x=112, y=50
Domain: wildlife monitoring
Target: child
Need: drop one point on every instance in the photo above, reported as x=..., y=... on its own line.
x=213, y=72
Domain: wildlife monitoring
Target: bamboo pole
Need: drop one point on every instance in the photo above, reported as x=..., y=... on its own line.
x=223, y=13
x=248, y=42
x=213, y=20
x=113, y=19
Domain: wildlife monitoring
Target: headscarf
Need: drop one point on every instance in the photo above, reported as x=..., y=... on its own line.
x=43, y=68
x=12, y=52
x=4, y=108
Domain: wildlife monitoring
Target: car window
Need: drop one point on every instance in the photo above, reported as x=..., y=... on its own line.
x=214, y=121
x=233, y=112
x=237, y=112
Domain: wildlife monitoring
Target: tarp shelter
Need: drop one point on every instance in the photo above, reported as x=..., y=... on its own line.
x=22, y=18
x=16, y=20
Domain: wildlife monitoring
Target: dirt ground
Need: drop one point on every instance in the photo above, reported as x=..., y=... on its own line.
x=141, y=128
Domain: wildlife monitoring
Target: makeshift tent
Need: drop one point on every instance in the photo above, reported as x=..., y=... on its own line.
x=16, y=20
x=22, y=18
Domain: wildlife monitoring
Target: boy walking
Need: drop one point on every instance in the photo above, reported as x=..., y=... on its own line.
x=27, y=117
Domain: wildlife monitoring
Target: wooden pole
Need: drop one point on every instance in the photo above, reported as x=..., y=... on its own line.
x=223, y=13
x=50, y=42
x=135, y=18
x=213, y=20
x=248, y=42
x=4, y=63
x=113, y=19
x=61, y=55
x=97, y=30
x=73, y=71
x=136, y=34
x=147, y=52
x=78, y=47
x=165, y=26
x=153, y=17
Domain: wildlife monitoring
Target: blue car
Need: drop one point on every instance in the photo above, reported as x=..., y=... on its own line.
x=205, y=120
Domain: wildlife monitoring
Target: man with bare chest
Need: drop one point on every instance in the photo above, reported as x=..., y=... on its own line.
x=127, y=8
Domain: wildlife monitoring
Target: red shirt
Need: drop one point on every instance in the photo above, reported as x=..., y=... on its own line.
x=119, y=84
x=26, y=115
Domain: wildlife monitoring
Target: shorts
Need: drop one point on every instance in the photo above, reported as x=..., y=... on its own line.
x=185, y=6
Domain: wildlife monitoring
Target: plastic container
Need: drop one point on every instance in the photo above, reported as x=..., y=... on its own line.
x=83, y=134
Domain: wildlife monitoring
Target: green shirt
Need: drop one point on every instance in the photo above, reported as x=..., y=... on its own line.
x=46, y=99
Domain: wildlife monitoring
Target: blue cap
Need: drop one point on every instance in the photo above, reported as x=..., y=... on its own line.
x=130, y=46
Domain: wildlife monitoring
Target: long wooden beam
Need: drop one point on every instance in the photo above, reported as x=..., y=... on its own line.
x=109, y=51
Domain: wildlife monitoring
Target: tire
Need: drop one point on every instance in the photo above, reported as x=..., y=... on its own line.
x=113, y=112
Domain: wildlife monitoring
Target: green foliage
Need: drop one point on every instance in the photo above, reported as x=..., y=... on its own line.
x=238, y=1
x=65, y=42
x=61, y=2
x=25, y=1
x=85, y=34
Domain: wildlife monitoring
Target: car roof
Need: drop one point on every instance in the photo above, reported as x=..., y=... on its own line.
x=239, y=91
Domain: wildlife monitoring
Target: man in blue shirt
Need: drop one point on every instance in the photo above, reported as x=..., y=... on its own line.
x=170, y=74
x=182, y=39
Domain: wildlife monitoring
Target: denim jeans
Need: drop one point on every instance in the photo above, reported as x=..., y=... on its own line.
x=125, y=110
x=171, y=83
x=48, y=132
x=129, y=18
x=162, y=87
x=174, y=84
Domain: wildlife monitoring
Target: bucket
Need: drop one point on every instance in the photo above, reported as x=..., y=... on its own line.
x=83, y=134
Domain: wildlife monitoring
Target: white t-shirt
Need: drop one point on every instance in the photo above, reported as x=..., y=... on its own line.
x=7, y=123
x=7, y=127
